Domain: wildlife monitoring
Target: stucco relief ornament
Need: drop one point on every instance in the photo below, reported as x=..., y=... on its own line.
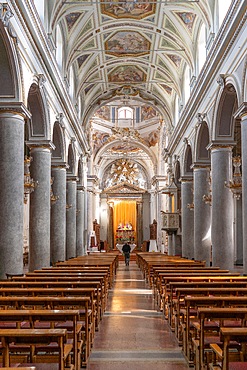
x=201, y=117
x=59, y=118
x=221, y=80
x=5, y=15
x=126, y=133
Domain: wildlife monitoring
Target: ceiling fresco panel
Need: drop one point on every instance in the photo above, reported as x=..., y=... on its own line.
x=127, y=74
x=125, y=43
x=128, y=9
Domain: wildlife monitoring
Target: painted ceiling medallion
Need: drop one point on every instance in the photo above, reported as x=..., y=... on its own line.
x=129, y=43
x=128, y=74
x=188, y=19
x=137, y=9
x=127, y=91
x=71, y=19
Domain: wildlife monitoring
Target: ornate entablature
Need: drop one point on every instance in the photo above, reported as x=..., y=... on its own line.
x=124, y=190
x=128, y=9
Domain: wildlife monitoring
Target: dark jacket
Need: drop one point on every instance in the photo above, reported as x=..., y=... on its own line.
x=126, y=248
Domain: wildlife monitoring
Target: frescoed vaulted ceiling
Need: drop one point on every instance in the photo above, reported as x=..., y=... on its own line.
x=131, y=50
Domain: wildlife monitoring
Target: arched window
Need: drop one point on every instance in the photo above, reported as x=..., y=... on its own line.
x=125, y=117
x=201, y=48
x=59, y=44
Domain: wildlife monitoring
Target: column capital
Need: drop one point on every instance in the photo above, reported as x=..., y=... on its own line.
x=186, y=179
x=80, y=187
x=241, y=111
x=37, y=144
x=59, y=164
x=200, y=166
x=219, y=145
x=16, y=108
x=71, y=177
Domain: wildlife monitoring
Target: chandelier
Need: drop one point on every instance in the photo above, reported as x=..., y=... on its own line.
x=235, y=185
x=29, y=183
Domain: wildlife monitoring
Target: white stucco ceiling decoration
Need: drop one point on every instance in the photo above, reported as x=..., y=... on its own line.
x=128, y=60
x=138, y=43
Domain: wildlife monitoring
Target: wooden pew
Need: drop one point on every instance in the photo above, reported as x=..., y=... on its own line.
x=168, y=280
x=80, y=303
x=19, y=368
x=102, y=260
x=12, y=285
x=157, y=272
x=63, y=292
x=59, y=319
x=193, y=303
x=66, y=279
x=177, y=302
x=208, y=315
x=227, y=335
x=158, y=281
x=34, y=337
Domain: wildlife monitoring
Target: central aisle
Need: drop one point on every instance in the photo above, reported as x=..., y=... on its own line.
x=132, y=334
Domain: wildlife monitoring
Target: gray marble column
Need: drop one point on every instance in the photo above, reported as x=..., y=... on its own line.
x=58, y=214
x=238, y=230
x=80, y=221
x=242, y=113
x=11, y=185
x=222, y=207
x=187, y=218
x=40, y=170
x=71, y=217
x=85, y=221
x=202, y=216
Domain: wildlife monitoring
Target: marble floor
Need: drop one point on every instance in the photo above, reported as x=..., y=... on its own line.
x=132, y=334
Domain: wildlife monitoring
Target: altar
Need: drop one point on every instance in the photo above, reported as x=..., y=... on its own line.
x=120, y=246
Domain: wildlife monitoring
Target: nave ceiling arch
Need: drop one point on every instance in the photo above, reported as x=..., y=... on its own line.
x=144, y=44
x=128, y=54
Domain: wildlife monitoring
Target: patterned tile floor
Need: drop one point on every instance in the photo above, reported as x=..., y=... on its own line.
x=132, y=334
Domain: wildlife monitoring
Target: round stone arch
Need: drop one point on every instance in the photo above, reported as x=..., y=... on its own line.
x=58, y=154
x=188, y=161
x=177, y=182
x=177, y=173
x=99, y=154
x=11, y=72
x=39, y=124
x=202, y=154
x=225, y=107
x=80, y=172
x=71, y=158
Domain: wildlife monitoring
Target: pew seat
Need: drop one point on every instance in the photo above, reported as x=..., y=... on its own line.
x=14, y=340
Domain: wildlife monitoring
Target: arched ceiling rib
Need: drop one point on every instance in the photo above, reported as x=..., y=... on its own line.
x=129, y=53
x=145, y=44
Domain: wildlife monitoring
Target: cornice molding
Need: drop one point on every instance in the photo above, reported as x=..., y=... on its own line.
x=16, y=108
